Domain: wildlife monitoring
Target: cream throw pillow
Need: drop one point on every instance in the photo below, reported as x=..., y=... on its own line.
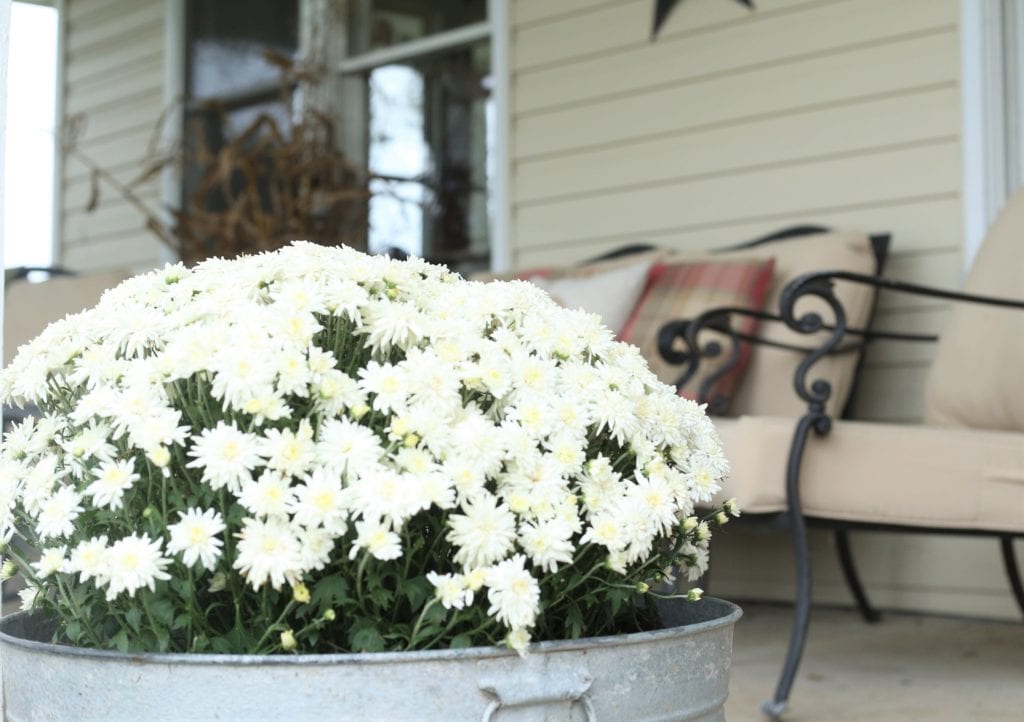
x=977, y=377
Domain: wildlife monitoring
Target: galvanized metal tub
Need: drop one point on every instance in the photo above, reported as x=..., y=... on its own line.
x=677, y=673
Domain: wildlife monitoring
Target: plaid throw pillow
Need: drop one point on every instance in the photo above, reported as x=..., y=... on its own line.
x=677, y=291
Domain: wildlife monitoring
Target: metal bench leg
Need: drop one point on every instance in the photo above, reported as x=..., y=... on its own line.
x=1012, y=570
x=802, y=557
x=868, y=612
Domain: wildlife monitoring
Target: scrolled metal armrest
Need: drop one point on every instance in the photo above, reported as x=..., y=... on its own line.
x=689, y=332
x=821, y=284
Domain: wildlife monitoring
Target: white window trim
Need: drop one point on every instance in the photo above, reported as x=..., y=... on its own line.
x=173, y=129
x=5, y=31
x=992, y=98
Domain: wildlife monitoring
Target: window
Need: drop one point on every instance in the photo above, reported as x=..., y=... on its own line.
x=408, y=84
x=228, y=81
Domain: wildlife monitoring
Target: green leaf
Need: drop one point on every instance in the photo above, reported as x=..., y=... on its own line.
x=416, y=590
x=162, y=610
x=74, y=631
x=364, y=637
x=181, y=621
x=134, y=618
x=120, y=641
x=381, y=597
x=435, y=614
x=461, y=641
x=163, y=639
x=329, y=592
x=221, y=645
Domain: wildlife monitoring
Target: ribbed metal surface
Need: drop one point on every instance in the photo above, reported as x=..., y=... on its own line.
x=680, y=673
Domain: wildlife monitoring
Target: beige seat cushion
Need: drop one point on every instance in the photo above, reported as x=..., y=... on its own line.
x=918, y=476
x=31, y=307
x=976, y=379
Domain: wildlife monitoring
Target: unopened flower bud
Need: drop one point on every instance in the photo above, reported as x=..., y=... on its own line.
x=8, y=570
x=689, y=524
x=731, y=507
x=695, y=594
x=330, y=615
x=411, y=441
x=300, y=593
x=360, y=411
x=392, y=293
x=643, y=587
x=218, y=582
x=721, y=518
x=703, y=533
x=288, y=642
x=149, y=511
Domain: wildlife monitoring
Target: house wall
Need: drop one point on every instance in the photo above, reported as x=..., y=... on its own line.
x=734, y=124
x=113, y=79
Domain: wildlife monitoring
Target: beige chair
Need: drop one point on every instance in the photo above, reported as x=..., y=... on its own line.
x=961, y=472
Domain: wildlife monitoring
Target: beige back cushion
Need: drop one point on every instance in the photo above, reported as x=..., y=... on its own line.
x=31, y=307
x=977, y=378
x=767, y=387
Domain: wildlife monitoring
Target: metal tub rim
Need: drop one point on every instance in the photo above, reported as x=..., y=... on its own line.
x=718, y=613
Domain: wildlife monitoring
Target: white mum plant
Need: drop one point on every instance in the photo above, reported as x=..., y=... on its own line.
x=317, y=450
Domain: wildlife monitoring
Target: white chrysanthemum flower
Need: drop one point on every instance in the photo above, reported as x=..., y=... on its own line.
x=239, y=373
x=518, y=639
x=451, y=590
x=391, y=323
x=51, y=561
x=320, y=501
x=270, y=495
x=113, y=479
x=226, y=455
x=290, y=452
x=384, y=493
x=389, y=384
x=268, y=551
x=376, y=538
x=38, y=481
x=344, y=445
x=656, y=497
x=132, y=563
x=547, y=543
x=293, y=373
x=513, y=593
x=89, y=560
x=194, y=536
x=29, y=597
x=484, y=533
x=605, y=530
x=57, y=514
x=317, y=545
x=703, y=478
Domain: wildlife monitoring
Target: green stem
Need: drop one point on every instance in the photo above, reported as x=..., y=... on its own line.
x=70, y=601
x=273, y=627
x=419, y=622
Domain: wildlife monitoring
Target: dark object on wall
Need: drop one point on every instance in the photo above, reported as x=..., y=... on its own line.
x=663, y=8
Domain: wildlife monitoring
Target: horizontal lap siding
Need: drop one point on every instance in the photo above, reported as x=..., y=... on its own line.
x=734, y=124
x=113, y=81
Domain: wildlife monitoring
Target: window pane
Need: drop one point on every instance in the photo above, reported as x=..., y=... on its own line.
x=430, y=137
x=227, y=39
x=379, y=23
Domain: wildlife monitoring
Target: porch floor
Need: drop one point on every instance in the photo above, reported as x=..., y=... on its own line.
x=907, y=667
